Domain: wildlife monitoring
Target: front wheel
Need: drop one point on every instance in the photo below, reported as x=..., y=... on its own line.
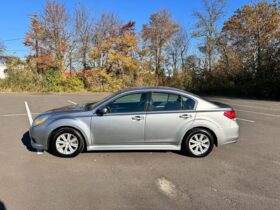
x=198, y=143
x=67, y=142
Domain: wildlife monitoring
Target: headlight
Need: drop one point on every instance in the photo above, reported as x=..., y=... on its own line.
x=40, y=120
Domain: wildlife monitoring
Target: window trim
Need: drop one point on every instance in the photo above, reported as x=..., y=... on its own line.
x=123, y=95
x=149, y=93
x=170, y=111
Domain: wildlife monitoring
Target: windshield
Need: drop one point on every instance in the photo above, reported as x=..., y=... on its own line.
x=91, y=106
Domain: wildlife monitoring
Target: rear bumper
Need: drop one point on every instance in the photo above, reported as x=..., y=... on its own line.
x=229, y=141
x=230, y=134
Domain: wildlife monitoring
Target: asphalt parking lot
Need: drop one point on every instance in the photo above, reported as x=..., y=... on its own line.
x=244, y=175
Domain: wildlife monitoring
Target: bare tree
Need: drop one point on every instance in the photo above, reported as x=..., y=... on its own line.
x=207, y=28
x=178, y=48
x=55, y=22
x=105, y=28
x=83, y=34
x=71, y=53
x=156, y=35
x=2, y=48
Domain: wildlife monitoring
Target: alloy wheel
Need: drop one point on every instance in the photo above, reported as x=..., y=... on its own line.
x=199, y=144
x=67, y=143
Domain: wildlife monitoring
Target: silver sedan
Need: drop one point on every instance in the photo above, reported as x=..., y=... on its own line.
x=147, y=118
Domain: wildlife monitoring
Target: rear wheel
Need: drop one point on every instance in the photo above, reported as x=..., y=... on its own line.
x=67, y=142
x=198, y=143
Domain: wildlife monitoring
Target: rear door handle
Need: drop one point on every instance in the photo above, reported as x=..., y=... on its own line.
x=185, y=116
x=137, y=118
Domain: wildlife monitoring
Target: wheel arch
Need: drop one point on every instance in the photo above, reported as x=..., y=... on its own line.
x=205, y=128
x=65, y=127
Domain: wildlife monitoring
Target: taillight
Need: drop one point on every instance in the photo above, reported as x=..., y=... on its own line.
x=230, y=114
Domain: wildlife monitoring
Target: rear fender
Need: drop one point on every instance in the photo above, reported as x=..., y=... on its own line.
x=207, y=123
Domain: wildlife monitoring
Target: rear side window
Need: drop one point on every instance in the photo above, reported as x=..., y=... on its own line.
x=170, y=102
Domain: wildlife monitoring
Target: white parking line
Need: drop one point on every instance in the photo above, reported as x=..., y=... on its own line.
x=251, y=121
x=39, y=152
x=72, y=102
x=14, y=115
x=255, y=107
x=260, y=113
x=248, y=102
x=28, y=113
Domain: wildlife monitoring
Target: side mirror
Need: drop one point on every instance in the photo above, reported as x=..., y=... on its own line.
x=102, y=111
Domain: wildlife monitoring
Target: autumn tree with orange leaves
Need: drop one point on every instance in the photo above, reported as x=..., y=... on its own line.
x=114, y=52
x=55, y=20
x=41, y=57
x=241, y=57
x=47, y=37
x=252, y=44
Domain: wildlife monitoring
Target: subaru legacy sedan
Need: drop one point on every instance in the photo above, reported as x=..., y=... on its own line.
x=147, y=118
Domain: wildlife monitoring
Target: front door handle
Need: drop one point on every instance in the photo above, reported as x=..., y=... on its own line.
x=185, y=116
x=137, y=118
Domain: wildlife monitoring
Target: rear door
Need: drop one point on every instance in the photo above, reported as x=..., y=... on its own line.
x=167, y=116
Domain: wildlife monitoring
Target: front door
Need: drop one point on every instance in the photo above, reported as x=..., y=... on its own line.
x=124, y=123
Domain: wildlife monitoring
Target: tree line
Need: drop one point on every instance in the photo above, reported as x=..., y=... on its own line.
x=242, y=57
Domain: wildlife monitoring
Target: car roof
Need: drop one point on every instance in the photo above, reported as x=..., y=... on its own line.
x=151, y=88
x=203, y=102
x=160, y=89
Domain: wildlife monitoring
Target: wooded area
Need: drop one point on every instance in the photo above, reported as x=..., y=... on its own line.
x=242, y=58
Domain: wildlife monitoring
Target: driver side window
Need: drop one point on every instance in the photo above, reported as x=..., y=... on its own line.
x=128, y=103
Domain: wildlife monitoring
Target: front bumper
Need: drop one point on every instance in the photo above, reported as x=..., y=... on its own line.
x=38, y=138
x=37, y=146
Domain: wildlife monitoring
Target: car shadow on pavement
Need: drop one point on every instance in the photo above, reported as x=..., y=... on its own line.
x=2, y=206
x=26, y=140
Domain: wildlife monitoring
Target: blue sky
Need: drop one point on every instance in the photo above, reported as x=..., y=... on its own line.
x=14, y=18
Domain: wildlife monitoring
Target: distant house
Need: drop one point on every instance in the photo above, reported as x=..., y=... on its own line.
x=3, y=67
x=6, y=60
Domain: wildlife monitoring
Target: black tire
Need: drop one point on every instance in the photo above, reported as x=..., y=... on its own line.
x=61, y=131
x=197, y=131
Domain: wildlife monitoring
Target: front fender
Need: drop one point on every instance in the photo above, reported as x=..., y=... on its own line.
x=80, y=124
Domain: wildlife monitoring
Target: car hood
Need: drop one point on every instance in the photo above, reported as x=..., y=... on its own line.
x=71, y=108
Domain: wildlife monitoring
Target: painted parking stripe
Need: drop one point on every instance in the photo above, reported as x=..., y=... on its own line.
x=39, y=152
x=14, y=115
x=251, y=121
x=72, y=102
x=246, y=102
x=255, y=107
x=28, y=113
x=260, y=113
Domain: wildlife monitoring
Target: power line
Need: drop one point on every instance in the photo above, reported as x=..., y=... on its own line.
x=9, y=40
x=16, y=39
x=18, y=50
